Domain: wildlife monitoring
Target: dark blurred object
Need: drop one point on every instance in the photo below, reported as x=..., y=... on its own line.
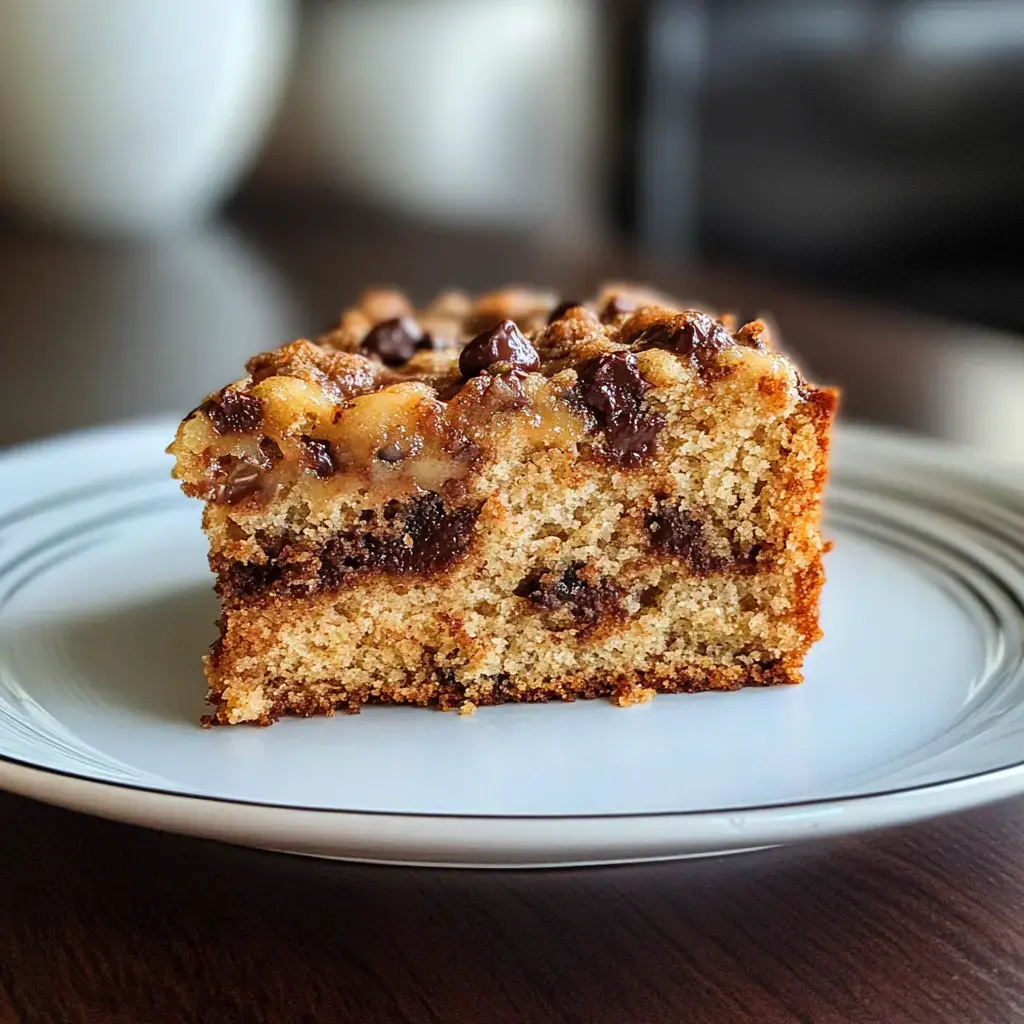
x=875, y=147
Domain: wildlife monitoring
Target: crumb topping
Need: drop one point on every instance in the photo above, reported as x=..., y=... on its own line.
x=408, y=400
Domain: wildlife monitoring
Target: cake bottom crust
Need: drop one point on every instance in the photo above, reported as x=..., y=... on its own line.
x=265, y=704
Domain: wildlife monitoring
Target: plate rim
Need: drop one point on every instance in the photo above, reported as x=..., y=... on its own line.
x=741, y=810
x=493, y=842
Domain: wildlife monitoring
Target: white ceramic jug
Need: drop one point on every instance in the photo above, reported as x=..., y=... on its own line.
x=479, y=111
x=135, y=116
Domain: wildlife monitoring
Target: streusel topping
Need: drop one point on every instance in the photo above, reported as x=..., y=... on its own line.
x=407, y=400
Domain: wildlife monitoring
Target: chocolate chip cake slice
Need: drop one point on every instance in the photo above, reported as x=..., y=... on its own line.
x=509, y=499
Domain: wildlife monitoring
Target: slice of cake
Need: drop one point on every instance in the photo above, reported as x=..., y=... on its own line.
x=509, y=499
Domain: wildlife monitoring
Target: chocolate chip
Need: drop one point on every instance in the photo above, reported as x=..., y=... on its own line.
x=674, y=531
x=423, y=535
x=245, y=579
x=426, y=537
x=501, y=348
x=234, y=412
x=616, y=306
x=393, y=341
x=319, y=457
x=587, y=600
x=390, y=453
x=694, y=336
x=614, y=389
x=235, y=479
x=561, y=309
x=438, y=534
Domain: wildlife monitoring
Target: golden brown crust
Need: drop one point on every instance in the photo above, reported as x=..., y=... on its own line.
x=624, y=689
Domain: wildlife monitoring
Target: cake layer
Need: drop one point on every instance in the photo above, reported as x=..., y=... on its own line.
x=565, y=578
x=445, y=644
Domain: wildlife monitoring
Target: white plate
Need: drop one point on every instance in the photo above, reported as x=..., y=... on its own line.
x=913, y=704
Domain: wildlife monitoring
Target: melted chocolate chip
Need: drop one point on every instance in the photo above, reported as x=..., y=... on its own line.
x=319, y=457
x=245, y=579
x=234, y=412
x=561, y=309
x=616, y=306
x=438, y=534
x=695, y=336
x=390, y=453
x=236, y=479
x=393, y=341
x=501, y=348
x=613, y=388
x=673, y=531
x=587, y=600
x=271, y=451
x=429, y=536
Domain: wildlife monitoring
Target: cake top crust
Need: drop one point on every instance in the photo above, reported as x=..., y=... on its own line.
x=383, y=341
x=408, y=399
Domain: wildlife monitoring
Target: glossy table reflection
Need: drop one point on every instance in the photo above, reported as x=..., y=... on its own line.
x=102, y=922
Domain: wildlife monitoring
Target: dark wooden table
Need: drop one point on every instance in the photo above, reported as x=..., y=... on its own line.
x=103, y=922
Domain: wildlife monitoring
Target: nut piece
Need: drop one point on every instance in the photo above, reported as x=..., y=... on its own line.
x=383, y=304
x=290, y=400
x=399, y=415
x=501, y=348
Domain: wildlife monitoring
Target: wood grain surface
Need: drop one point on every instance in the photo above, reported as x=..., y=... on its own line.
x=104, y=922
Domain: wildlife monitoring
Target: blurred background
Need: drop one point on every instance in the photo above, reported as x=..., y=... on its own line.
x=195, y=181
